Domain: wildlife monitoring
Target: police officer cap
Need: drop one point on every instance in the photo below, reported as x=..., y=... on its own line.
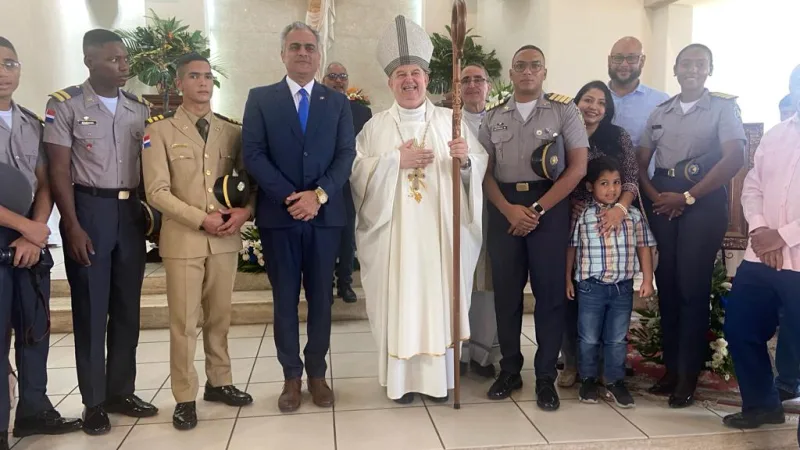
x=548, y=161
x=233, y=191
x=152, y=220
x=16, y=192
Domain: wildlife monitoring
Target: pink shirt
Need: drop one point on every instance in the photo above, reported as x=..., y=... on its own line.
x=771, y=191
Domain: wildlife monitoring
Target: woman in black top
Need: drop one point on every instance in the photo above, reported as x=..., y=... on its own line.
x=605, y=139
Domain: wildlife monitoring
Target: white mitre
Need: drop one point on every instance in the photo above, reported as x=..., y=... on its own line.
x=404, y=43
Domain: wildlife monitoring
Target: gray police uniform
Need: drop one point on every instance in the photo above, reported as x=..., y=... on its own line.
x=511, y=142
x=105, y=151
x=686, y=146
x=21, y=148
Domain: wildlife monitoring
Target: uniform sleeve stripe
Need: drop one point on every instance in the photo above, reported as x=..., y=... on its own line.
x=58, y=97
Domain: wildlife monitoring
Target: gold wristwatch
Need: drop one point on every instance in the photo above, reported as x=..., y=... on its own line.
x=689, y=199
x=322, y=197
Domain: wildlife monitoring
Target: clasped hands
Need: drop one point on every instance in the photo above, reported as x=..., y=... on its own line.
x=768, y=246
x=671, y=204
x=303, y=205
x=28, y=247
x=522, y=220
x=216, y=225
x=412, y=157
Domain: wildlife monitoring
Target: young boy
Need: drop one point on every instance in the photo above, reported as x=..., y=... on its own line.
x=604, y=277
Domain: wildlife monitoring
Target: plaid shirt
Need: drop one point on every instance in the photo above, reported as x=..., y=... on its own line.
x=612, y=259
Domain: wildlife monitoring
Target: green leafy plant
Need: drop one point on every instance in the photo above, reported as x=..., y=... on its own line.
x=500, y=90
x=646, y=339
x=154, y=48
x=441, y=66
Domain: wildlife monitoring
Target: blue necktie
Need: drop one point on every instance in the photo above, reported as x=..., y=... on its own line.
x=302, y=109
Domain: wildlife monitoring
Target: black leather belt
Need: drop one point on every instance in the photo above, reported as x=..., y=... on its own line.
x=666, y=172
x=526, y=186
x=119, y=194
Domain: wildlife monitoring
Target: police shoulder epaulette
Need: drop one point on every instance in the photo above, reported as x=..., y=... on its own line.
x=559, y=98
x=30, y=113
x=155, y=119
x=136, y=98
x=667, y=101
x=724, y=96
x=227, y=119
x=67, y=93
x=497, y=103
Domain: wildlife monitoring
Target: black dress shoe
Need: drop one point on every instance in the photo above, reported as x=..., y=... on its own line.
x=664, y=386
x=546, y=395
x=752, y=420
x=47, y=423
x=406, y=399
x=229, y=395
x=95, y=421
x=4, y=440
x=677, y=401
x=347, y=294
x=185, y=416
x=482, y=371
x=131, y=406
x=683, y=395
x=438, y=399
x=505, y=384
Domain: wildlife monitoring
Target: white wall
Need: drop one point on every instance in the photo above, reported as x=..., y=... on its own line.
x=48, y=35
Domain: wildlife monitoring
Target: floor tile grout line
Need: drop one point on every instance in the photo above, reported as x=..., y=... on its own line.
x=433, y=422
x=126, y=436
x=529, y=419
x=628, y=420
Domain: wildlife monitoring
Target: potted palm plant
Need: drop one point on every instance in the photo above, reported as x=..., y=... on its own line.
x=153, y=50
x=441, y=65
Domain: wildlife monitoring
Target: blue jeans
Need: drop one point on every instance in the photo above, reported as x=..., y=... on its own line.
x=759, y=293
x=788, y=365
x=604, y=315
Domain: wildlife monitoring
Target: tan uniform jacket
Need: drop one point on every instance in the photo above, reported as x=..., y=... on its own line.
x=179, y=173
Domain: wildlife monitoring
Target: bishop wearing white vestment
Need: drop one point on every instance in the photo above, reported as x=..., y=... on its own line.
x=402, y=189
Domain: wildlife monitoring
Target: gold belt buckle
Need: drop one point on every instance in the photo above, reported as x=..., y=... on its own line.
x=124, y=195
x=522, y=187
x=671, y=173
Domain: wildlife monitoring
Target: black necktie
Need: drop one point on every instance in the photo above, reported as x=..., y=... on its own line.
x=202, y=127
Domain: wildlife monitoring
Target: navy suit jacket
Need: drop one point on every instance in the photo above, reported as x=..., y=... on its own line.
x=282, y=160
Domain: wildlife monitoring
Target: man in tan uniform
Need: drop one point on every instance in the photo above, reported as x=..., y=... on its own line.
x=185, y=152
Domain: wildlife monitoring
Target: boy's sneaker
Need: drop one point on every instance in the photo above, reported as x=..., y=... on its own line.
x=588, y=391
x=620, y=394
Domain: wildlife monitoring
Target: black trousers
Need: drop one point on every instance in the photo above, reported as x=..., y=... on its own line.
x=302, y=253
x=687, y=249
x=542, y=255
x=107, y=293
x=347, y=246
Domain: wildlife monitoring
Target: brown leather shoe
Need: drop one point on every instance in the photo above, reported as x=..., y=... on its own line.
x=289, y=400
x=320, y=392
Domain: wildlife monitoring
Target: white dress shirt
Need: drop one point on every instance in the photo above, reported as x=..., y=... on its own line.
x=295, y=88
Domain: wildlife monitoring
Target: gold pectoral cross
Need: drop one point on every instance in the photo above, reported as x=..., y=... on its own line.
x=417, y=178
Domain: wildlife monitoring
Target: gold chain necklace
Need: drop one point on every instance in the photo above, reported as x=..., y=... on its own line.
x=416, y=177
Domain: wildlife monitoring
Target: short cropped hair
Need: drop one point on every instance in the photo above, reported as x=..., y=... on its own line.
x=599, y=165
x=7, y=44
x=528, y=47
x=181, y=62
x=99, y=37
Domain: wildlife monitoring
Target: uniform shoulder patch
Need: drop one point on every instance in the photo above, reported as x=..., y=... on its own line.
x=227, y=119
x=158, y=117
x=724, y=96
x=559, y=98
x=67, y=93
x=667, y=101
x=136, y=98
x=497, y=103
x=30, y=113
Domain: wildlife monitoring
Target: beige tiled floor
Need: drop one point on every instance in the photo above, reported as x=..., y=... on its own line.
x=363, y=417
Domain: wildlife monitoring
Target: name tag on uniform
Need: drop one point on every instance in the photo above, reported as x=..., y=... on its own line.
x=499, y=126
x=656, y=127
x=179, y=146
x=87, y=121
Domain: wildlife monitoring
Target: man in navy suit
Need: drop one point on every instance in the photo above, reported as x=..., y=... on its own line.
x=337, y=78
x=299, y=146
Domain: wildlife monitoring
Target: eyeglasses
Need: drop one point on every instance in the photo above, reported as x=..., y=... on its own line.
x=337, y=76
x=466, y=81
x=521, y=66
x=631, y=59
x=10, y=65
